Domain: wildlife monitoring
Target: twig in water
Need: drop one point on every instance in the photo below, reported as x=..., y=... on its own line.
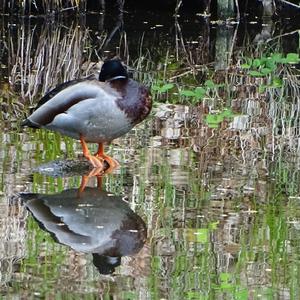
x=281, y=35
x=237, y=9
x=178, y=5
x=291, y=4
x=181, y=74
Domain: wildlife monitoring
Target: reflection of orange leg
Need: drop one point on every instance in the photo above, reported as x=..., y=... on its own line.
x=96, y=161
x=100, y=153
x=84, y=180
x=99, y=182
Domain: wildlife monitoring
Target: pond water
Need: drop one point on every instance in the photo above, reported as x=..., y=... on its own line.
x=205, y=203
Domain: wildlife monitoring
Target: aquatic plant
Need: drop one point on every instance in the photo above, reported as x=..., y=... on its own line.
x=259, y=67
x=183, y=94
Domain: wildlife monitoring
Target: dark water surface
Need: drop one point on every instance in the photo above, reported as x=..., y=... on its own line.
x=196, y=210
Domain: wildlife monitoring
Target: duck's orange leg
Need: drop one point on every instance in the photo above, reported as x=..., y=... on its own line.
x=96, y=161
x=100, y=153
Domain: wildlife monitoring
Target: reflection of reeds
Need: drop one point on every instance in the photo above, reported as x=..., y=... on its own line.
x=12, y=240
x=41, y=60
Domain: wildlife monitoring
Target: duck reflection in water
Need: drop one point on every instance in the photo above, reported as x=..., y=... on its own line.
x=92, y=221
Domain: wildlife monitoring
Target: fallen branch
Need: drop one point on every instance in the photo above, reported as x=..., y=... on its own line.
x=281, y=35
x=290, y=3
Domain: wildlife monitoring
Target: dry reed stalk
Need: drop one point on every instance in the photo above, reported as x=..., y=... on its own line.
x=56, y=57
x=27, y=7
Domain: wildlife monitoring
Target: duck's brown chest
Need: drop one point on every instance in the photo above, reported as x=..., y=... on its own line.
x=136, y=101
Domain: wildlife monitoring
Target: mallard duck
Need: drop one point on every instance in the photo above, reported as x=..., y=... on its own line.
x=94, y=111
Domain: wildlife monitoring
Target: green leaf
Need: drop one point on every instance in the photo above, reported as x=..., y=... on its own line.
x=214, y=119
x=202, y=235
x=263, y=60
x=283, y=60
x=292, y=58
x=277, y=82
x=155, y=87
x=276, y=57
x=166, y=87
x=200, y=92
x=241, y=295
x=209, y=84
x=224, y=277
x=265, y=71
x=262, y=88
x=194, y=295
x=213, y=225
x=227, y=113
x=162, y=88
x=256, y=63
x=226, y=286
x=213, y=125
x=255, y=74
x=271, y=64
x=174, y=66
x=187, y=93
x=195, y=100
x=245, y=66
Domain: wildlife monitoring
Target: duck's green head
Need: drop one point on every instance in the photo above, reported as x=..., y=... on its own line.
x=112, y=70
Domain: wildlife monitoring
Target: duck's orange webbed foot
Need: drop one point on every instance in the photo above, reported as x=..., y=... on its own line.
x=96, y=161
x=111, y=161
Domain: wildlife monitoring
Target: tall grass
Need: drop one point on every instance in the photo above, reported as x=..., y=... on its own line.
x=28, y=7
x=40, y=58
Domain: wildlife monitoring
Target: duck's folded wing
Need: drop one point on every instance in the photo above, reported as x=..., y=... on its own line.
x=59, y=88
x=63, y=100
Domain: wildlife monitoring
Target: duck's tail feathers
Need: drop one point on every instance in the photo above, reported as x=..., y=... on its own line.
x=29, y=123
